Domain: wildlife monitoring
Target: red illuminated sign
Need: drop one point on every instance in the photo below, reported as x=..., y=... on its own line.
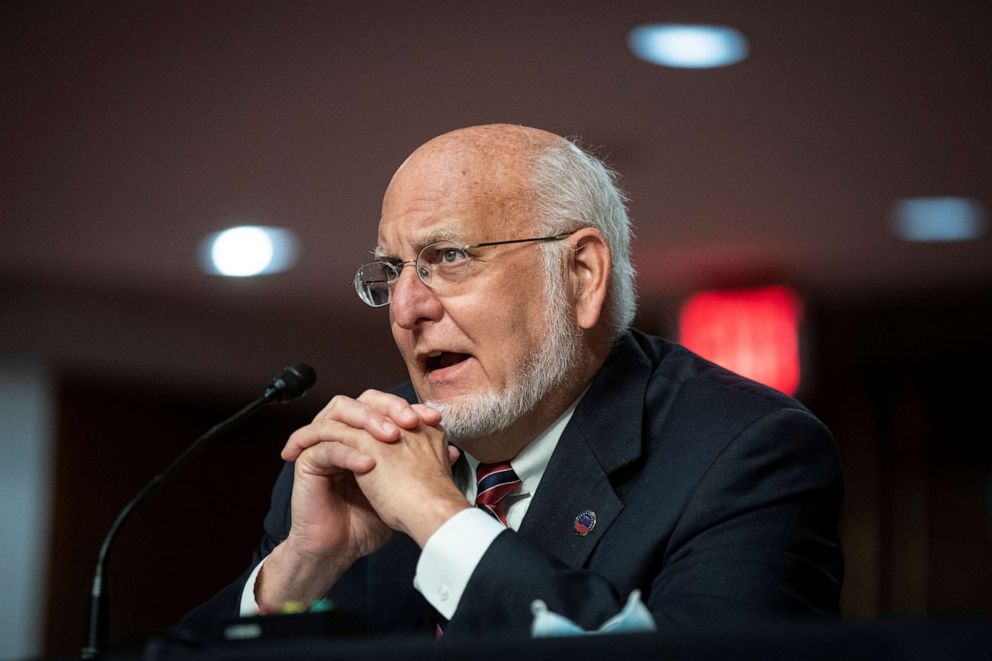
x=754, y=332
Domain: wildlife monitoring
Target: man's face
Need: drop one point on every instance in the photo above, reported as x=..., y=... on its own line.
x=466, y=349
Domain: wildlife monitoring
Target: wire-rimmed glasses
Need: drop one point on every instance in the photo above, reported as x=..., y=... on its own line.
x=438, y=265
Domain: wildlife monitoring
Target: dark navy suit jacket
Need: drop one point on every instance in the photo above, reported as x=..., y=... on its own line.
x=717, y=497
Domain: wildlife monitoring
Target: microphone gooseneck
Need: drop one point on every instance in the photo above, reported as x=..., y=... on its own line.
x=292, y=383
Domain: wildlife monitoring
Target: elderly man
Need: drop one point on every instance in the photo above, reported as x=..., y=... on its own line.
x=600, y=460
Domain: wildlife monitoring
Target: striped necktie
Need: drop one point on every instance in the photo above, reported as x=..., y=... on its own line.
x=496, y=481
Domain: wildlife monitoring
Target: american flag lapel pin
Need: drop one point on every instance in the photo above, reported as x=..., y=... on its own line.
x=584, y=523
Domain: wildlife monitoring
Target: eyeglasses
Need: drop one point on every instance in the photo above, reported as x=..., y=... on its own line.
x=439, y=265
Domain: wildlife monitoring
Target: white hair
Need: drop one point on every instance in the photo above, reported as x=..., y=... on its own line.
x=574, y=189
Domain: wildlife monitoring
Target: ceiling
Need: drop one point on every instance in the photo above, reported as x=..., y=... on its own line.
x=131, y=130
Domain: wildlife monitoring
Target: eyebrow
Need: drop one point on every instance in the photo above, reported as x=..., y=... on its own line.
x=433, y=235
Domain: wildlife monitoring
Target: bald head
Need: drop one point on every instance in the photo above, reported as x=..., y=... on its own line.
x=523, y=182
x=491, y=165
x=500, y=145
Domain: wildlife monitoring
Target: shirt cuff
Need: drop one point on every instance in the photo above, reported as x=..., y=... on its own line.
x=451, y=555
x=249, y=606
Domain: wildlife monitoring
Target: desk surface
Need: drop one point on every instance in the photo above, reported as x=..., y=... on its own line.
x=910, y=640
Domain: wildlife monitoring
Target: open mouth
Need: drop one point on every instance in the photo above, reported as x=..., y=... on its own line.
x=440, y=360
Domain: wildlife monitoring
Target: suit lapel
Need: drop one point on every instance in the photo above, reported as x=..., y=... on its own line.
x=603, y=435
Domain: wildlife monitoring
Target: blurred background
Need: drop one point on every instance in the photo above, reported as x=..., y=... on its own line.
x=129, y=132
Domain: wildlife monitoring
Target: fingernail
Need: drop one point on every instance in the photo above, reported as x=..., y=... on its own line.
x=388, y=427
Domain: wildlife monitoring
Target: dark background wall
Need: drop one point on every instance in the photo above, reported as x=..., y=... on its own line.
x=903, y=385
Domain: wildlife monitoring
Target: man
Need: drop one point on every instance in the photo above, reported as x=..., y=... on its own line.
x=503, y=257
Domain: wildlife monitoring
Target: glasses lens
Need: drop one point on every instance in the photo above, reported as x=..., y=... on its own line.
x=442, y=263
x=372, y=283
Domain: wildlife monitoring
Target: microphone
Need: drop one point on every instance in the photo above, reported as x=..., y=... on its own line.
x=292, y=383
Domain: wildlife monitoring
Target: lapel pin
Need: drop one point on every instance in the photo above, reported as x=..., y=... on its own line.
x=584, y=523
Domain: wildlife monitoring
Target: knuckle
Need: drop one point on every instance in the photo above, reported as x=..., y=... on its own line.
x=336, y=408
x=294, y=438
x=369, y=394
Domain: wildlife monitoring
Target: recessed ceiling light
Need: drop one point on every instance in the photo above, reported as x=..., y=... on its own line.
x=248, y=250
x=938, y=219
x=688, y=46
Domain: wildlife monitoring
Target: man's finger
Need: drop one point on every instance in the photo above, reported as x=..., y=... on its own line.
x=332, y=457
x=380, y=414
x=315, y=433
x=361, y=415
x=394, y=407
x=428, y=415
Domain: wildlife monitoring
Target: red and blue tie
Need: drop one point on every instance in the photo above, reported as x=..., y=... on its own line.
x=496, y=482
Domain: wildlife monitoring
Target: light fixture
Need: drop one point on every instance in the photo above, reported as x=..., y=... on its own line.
x=938, y=219
x=248, y=250
x=688, y=46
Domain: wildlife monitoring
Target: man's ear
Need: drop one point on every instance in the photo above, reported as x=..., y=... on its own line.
x=589, y=271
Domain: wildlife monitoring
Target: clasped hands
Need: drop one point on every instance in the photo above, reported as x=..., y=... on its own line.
x=363, y=468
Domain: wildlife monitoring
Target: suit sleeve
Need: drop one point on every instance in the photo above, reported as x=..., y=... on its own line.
x=756, y=539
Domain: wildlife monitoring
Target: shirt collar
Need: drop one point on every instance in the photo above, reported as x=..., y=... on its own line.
x=530, y=463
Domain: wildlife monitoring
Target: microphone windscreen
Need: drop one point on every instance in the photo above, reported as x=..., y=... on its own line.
x=291, y=383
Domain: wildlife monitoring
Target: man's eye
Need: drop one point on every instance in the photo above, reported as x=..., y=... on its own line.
x=391, y=270
x=453, y=255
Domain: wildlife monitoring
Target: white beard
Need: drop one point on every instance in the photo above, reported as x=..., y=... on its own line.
x=469, y=417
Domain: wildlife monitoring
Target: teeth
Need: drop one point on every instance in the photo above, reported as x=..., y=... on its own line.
x=434, y=354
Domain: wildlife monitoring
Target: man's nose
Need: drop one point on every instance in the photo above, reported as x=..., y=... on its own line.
x=413, y=302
